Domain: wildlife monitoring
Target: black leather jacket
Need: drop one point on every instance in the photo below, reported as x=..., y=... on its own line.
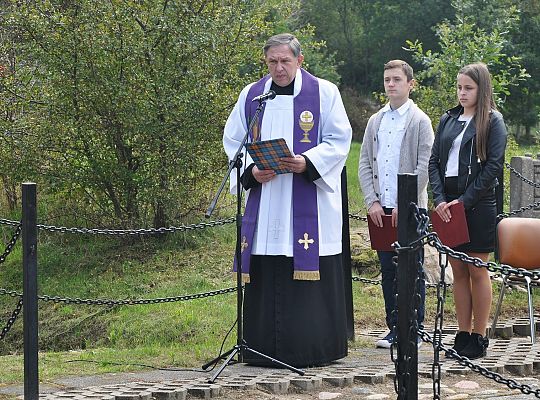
x=475, y=178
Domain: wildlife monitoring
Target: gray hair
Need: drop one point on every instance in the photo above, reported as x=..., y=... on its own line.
x=284, y=38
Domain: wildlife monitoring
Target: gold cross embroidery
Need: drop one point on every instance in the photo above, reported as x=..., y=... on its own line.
x=306, y=116
x=244, y=244
x=306, y=242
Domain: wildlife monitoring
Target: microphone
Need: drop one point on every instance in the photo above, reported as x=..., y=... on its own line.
x=266, y=96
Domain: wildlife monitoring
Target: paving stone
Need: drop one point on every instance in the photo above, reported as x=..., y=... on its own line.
x=273, y=385
x=335, y=379
x=199, y=391
x=237, y=383
x=367, y=377
x=307, y=383
x=521, y=369
x=169, y=393
x=522, y=327
x=134, y=395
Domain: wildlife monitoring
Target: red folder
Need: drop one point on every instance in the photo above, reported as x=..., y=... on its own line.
x=455, y=232
x=383, y=237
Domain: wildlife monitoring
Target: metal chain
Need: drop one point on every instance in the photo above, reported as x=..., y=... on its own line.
x=9, y=222
x=436, y=372
x=124, y=232
x=142, y=231
x=520, y=176
x=11, y=243
x=109, y=302
x=11, y=319
x=518, y=211
x=366, y=280
x=449, y=352
x=433, y=240
x=358, y=217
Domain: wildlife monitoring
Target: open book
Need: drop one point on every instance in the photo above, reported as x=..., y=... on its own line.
x=267, y=153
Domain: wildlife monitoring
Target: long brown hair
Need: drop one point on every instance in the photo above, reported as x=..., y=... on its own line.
x=485, y=103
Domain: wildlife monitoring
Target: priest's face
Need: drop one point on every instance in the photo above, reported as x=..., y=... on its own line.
x=282, y=64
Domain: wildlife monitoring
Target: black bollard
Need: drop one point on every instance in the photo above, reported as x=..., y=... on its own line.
x=29, y=242
x=407, y=271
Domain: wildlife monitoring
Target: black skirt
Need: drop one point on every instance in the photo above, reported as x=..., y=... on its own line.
x=302, y=323
x=481, y=220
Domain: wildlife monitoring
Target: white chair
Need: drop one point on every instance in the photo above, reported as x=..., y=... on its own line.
x=519, y=247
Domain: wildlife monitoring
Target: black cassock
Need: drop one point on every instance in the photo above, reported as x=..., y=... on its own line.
x=302, y=323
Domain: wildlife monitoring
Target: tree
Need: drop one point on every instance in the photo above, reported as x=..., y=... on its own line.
x=461, y=43
x=119, y=105
x=367, y=33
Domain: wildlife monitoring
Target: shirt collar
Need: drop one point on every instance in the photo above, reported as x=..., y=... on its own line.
x=401, y=110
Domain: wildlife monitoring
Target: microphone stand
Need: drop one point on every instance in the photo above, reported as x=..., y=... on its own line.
x=240, y=347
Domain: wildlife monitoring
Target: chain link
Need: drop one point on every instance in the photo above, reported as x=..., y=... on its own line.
x=366, y=280
x=129, y=302
x=9, y=222
x=358, y=217
x=11, y=243
x=11, y=319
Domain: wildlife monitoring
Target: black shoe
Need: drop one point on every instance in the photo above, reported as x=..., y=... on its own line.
x=476, y=348
x=461, y=341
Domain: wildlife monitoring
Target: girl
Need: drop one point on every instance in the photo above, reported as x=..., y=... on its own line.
x=466, y=158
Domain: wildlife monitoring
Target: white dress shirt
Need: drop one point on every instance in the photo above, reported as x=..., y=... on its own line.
x=452, y=165
x=389, y=138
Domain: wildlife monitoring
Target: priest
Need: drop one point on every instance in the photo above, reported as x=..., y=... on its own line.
x=294, y=307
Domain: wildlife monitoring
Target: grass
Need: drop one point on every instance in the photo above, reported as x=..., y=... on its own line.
x=82, y=339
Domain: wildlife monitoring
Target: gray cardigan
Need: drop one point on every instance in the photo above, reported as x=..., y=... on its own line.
x=414, y=154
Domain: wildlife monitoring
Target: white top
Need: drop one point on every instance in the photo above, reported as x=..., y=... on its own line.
x=389, y=138
x=274, y=232
x=452, y=165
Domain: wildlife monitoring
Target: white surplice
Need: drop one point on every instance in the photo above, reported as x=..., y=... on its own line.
x=274, y=232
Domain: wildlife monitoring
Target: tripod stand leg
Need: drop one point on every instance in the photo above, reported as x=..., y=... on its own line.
x=220, y=357
x=232, y=352
x=273, y=360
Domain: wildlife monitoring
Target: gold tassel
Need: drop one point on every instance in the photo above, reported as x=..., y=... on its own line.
x=245, y=278
x=306, y=275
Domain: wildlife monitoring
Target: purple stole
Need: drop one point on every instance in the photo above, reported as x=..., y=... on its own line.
x=305, y=212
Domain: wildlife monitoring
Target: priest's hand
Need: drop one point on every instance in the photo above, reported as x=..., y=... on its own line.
x=263, y=175
x=296, y=164
x=376, y=212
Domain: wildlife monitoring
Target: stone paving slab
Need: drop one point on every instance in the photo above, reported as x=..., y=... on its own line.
x=508, y=356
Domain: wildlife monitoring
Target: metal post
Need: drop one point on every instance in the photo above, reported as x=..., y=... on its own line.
x=29, y=241
x=407, y=272
x=346, y=252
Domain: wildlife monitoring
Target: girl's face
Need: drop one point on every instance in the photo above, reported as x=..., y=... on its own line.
x=467, y=92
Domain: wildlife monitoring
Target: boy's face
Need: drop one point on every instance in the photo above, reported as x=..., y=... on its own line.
x=396, y=86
